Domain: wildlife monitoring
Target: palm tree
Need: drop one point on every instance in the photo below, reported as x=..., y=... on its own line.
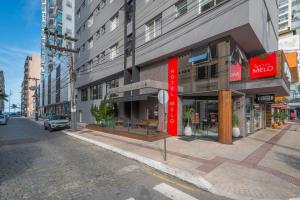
x=14, y=106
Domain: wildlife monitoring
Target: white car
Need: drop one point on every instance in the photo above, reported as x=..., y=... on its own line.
x=56, y=122
x=3, y=120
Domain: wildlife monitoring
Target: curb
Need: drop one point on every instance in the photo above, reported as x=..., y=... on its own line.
x=181, y=174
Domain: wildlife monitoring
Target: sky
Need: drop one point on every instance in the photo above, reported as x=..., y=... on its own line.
x=20, y=32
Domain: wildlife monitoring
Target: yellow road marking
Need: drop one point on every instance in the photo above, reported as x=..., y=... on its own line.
x=172, y=181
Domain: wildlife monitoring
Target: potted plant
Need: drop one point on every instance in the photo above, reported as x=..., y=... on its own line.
x=188, y=116
x=235, y=123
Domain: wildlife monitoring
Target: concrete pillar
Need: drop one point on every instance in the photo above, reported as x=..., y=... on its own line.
x=225, y=116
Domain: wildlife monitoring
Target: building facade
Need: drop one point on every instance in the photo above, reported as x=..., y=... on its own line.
x=2, y=91
x=202, y=52
x=55, y=87
x=289, y=15
x=32, y=69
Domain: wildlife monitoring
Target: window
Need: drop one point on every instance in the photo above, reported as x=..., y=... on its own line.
x=153, y=28
x=181, y=7
x=69, y=4
x=89, y=65
x=97, y=10
x=96, y=92
x=78, y=34
x=114, y=22
x=69, y=17
x=114, y=51
x=97, y=59
x=205, y=5
x=207, y=71
x=102, y=56
x=102, y=30
x=91, y=43
x=112, y=84
x=84, y=94
x=102, y=3
x=202, y=73
x=90, y=21
x=78, y=13
x=97, y=34
x=83, y=47
x=129, y=45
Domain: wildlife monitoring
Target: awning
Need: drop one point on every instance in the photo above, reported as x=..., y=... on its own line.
x=292, y=61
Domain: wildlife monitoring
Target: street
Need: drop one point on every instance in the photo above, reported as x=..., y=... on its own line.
x=37, y=164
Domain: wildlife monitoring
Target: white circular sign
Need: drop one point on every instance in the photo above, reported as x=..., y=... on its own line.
x=161, y=96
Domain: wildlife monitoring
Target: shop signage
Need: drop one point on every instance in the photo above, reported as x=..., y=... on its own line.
x=265, y=99
x=260, y=68
x=235, y=72
x=200, y=57
x=173, y=95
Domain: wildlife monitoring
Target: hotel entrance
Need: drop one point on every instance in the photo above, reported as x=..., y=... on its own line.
x=200, y=118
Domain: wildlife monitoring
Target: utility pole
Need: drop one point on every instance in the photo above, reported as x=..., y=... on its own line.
x=36, y=97
x=72, y=74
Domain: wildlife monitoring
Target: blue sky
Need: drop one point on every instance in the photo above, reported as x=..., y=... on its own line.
x=20, y=36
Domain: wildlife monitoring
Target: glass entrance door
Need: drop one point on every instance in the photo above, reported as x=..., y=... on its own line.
x=204, y=122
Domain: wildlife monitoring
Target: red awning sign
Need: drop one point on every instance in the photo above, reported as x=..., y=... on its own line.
x=260, y=68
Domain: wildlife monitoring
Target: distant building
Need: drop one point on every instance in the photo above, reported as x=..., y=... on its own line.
x=32, y=68
x=2, y=91
x=289, y=42
x=57, y=16
x=289, y=15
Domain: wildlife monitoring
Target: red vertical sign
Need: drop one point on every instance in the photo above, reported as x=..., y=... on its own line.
x=173, y=95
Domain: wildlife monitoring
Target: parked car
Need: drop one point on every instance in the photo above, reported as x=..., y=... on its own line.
x=56, y=122
x=3, y=120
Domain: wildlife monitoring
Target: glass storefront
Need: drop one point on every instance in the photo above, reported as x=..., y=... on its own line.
x=204, y=118
x=254, y=116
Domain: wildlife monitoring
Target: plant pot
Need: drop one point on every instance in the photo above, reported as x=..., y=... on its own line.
x=236, y=132
x=188, y=131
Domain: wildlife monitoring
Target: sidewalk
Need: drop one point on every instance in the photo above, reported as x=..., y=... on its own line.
x=265, y=165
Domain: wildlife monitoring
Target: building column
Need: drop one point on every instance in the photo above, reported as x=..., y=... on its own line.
x=225, y=116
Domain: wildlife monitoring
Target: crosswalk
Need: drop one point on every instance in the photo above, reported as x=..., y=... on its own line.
x=170, y=192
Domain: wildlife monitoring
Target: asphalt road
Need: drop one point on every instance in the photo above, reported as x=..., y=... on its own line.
x=37, y=164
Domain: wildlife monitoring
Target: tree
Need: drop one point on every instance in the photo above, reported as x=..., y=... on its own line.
x=104, y=113
x=14, y=107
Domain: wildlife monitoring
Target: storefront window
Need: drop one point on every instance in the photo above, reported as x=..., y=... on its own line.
x=257, y=121
x=205, y=117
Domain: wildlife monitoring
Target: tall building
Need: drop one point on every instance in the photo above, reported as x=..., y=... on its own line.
x=55, y=87
x=32, y=69
x=289, y=15
x=2, y=91
x=216, y=57
x=43, y=55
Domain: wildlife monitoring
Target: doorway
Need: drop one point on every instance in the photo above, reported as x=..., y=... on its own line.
x=204, y=122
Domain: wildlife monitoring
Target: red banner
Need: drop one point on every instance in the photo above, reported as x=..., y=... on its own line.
x=263, y=68
x=235, y=72
x=173, y=95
